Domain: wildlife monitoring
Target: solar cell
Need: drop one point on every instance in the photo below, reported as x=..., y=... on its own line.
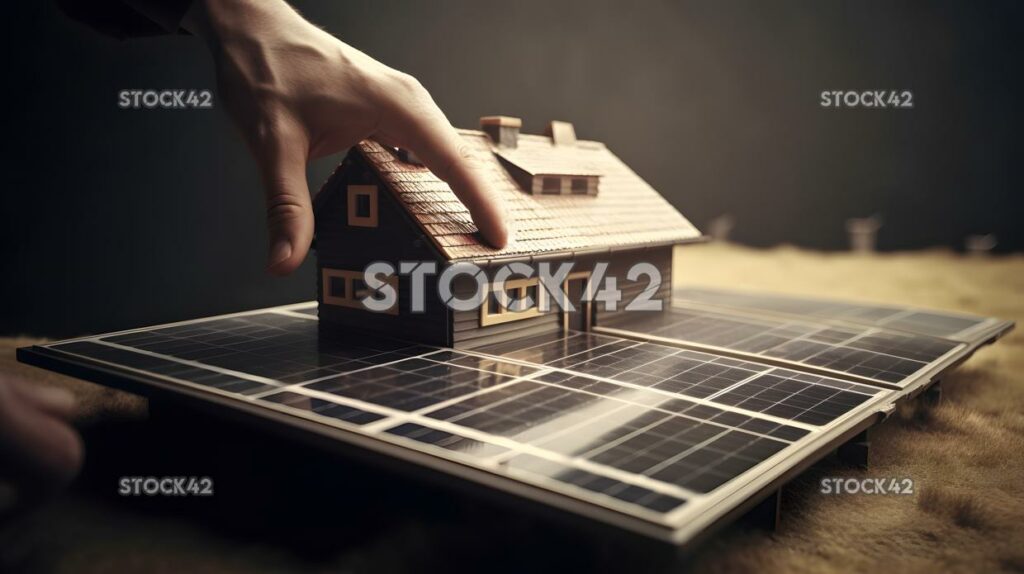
x=795, y=396
x=954, y=326
x=323, y=408
x=703, y=376
x=148, y=363
x=409, y=384
x=619, y=429
x=533, y=466
x=874, y=354
x=446, y=440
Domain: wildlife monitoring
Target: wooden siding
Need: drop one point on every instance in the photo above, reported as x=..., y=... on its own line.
x=396, y=238
x=468, y=333
x=619, y=265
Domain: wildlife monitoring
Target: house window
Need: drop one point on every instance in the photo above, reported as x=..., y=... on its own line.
x=533, y=292
x=552, y=186
x=508, y=305
x=579, y=186
x=362, y=205
x=512, y=299
x=336, y=287
x=345, y=288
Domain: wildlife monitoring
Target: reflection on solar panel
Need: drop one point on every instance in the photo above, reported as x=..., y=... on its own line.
x=632, y=429
x=874, y=354
x=323, y=408
x=954, y=326
x=800, y=397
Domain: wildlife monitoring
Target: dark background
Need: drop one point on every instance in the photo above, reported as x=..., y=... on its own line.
x=118, y=218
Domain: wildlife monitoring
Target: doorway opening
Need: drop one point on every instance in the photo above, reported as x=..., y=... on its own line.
x=581, y=317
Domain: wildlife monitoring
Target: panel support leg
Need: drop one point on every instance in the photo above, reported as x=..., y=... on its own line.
x=856, y=451
x=767, y=512
x=932, y=396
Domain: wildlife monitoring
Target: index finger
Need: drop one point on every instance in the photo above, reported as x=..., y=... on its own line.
x=433, y=139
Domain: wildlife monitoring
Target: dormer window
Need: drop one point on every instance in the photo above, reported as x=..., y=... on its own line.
x=554, y=164
x=563, y=185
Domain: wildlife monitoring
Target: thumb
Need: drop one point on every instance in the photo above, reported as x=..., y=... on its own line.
x=289, y=209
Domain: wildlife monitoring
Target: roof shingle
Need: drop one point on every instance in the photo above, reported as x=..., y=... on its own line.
x=626, y=212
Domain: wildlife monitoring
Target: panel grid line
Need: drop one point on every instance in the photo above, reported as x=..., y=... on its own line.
x=614, y=421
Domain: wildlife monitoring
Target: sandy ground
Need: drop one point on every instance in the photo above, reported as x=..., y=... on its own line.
x=965, y=456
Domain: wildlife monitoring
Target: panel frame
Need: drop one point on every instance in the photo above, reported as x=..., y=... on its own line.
x=681, y=527
x=988, y=331
x=915, y=382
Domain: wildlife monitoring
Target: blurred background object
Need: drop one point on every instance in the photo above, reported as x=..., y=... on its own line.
x=119, y=218
x=980, y=244
x=720, y=227
x=863, y=233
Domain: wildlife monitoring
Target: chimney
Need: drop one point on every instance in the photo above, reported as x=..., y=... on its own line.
x=408, y=157
x=561, y=133
x=504, y=130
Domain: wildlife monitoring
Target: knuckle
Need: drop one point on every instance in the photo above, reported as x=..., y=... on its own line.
x=464, y=157
x=269, y=127
x=465, y=152
x=284, y=207
x=409, y=84
x=456, y=163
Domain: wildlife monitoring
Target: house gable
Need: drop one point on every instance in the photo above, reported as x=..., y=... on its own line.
x=359, y=222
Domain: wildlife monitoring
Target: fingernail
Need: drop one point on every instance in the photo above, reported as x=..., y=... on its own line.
x=509, y=232
x=281, y=250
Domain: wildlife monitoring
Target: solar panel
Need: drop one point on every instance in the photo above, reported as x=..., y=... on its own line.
x=673, y=371
x=954, y=326
x=641, y=435
x=870, y=354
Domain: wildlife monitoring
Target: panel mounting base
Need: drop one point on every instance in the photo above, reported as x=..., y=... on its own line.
x=856, y=451
x=932, y=396
x=766, y=514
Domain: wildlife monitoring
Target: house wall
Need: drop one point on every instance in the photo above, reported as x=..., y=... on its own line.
x=467, y=331
x=396, y=238
x=660, y=257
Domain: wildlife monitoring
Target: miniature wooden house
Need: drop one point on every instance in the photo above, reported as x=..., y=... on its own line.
x=566, y=199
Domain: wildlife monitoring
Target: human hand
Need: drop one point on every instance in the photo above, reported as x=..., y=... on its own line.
x=298, y=93
x=39, y=450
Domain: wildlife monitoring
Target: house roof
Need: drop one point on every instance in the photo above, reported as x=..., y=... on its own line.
x=626, y=212
x=547, y=159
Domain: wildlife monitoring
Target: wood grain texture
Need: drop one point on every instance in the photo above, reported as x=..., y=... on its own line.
x=395, y=238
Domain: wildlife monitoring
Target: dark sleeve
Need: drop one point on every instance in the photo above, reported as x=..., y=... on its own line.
x=128, y=18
